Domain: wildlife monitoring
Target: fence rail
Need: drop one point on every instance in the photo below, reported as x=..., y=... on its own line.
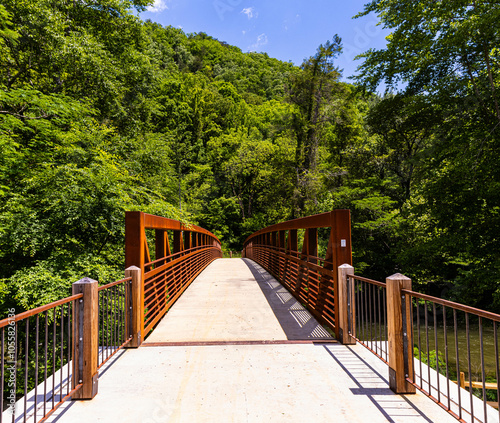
x=36, y=368
x=54, y=352
x=169, y=265
x=453, y=340
x=113, y=334
x=312, y=280
x=447, y=350
x=368, y=314
x=436, y=346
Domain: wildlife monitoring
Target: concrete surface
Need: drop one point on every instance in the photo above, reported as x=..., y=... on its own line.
x=234, y=299
x=321, y=381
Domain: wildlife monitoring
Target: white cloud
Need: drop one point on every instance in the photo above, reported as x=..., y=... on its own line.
x=249, y=11
x=158, y=6
x=261, y=41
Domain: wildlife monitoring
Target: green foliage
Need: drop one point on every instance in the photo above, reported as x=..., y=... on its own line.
x=101, y=113
x=434, y=360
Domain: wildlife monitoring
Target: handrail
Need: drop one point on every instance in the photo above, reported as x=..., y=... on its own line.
x=428, y=342
x=70, y=339
x=462, y=340
x=458, y=306
x=181, y=252
x=38, y=310
x=276, y=249
x=37, y=359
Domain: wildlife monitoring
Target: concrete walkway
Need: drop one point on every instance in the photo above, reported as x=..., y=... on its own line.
x=235, y=309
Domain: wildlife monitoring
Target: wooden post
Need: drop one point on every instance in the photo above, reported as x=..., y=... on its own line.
x=346, y=305
x=399, y=332
x=135, y=304
x=85, y=338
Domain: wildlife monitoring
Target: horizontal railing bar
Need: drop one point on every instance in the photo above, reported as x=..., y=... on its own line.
x=172, y=263
x=114, y=352
x=292, y=253
x=443, y=406
x=462, y=307
x=178, y=253
x=69, y=395
x=317, y=221
x=371, y=281
x=284, y=252
x=313, y=266
x=110, y=285
x=172, y=300
x=41, y=309
x=163, y=223
x=363, y=343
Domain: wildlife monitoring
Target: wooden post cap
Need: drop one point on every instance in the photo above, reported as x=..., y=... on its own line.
x=131, y=268
x=85, y=280
x=398, y=277
x=346, y=266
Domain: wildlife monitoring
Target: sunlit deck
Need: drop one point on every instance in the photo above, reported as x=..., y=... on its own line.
x=238, y=347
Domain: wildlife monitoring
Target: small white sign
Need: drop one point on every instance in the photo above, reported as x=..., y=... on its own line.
x=343, y=243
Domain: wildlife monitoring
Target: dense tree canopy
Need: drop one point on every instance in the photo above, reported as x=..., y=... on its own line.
x=101, y=113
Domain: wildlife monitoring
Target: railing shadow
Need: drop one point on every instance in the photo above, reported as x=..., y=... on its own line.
x=370, y=383
x=295, y=320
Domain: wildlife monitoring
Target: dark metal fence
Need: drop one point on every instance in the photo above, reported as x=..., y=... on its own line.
x=368, y=315
x=457, y=362
x=112, y=317
x=36, y=369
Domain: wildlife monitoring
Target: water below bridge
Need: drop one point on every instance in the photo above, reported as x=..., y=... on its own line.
x=237, y=347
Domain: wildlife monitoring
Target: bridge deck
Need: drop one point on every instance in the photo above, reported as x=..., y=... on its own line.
x=238, y=347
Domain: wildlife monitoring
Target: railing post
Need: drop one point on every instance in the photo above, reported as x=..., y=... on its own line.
x=134, y=304
x=85, y=338
x=346, y=305
x=399, y=332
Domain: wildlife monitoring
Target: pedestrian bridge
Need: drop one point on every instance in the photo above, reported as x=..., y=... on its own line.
x=287, y=333
x=238, y=347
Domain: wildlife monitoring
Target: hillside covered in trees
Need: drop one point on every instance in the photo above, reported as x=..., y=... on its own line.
x=101, y=113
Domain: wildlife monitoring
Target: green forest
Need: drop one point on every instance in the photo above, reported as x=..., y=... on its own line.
x=101, y=113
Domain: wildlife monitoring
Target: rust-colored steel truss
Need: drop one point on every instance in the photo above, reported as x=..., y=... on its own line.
x=312, y=280
x=181, y=252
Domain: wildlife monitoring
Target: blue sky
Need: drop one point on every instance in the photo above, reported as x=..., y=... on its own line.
x=289, y=30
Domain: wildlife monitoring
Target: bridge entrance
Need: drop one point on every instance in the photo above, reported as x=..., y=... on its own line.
x=237, y=346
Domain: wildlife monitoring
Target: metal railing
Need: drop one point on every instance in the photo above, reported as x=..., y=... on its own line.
x=36, y=368
x=181, y=252
x=437, y=346
x=53, y=353
x=112, y=317
x=454, y=340
x=312, y=280
x=167, y=278
x=368, y=315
